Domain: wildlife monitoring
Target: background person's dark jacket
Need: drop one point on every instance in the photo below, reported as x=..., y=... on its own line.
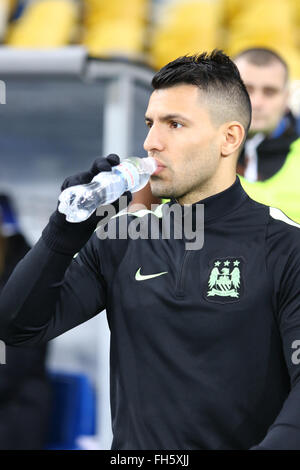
x=273, y=150
x=24, y=388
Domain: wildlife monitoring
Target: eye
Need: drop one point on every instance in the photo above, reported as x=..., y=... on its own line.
x=270, y=91
x=175, y=125
x=148, y=124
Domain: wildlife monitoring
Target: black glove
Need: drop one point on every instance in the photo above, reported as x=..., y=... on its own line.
x=67, y=237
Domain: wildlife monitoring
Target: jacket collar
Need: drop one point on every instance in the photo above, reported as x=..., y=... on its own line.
x=220, y=204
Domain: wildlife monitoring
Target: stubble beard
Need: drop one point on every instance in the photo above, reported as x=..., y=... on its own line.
x=167, y=190
x=161, y=189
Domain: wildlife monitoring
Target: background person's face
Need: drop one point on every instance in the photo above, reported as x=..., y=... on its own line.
x=181, y=137
x=268, y=93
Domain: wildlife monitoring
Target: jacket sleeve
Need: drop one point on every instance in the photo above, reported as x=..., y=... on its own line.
x=50, y=292
x=284, y=433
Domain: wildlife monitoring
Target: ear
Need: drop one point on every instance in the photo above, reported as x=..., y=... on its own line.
x=232, y=137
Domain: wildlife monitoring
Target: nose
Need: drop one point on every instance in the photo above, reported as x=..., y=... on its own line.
x=154, y=140
x=257, y=100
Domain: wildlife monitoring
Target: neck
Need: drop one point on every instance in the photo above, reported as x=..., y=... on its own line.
x=209, y=188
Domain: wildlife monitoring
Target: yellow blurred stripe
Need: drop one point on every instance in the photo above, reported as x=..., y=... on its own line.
x=264, y=23
x=186, y=28
x=49, y=23
x=115, y=27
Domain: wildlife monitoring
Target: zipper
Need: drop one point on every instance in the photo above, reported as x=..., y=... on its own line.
x=180, y=285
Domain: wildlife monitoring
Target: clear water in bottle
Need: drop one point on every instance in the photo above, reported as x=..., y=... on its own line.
x=80, y=201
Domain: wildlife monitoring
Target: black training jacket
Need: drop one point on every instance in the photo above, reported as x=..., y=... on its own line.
x=205, y=343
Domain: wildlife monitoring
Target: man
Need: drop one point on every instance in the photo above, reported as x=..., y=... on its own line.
x=204, y=342
x=270, y=161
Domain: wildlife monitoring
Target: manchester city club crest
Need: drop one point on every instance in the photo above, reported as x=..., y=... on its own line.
x=225, y=280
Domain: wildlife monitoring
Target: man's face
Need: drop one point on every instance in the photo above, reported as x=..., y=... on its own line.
x=268, y=93
x=183, y=139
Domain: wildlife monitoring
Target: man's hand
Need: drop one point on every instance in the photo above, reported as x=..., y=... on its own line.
x=99, y=165
x=67, y=237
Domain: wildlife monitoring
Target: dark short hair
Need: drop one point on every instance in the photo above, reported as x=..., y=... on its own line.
x=217, y=76
x=261, y=56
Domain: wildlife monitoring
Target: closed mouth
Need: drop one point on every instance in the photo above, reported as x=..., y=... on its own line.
x=160, y=167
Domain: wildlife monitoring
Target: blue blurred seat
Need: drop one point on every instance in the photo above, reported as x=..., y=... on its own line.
x=73, y=410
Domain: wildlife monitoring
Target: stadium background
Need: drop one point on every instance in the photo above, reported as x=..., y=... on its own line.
x=77, y=77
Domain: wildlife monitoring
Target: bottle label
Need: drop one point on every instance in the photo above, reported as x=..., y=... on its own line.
x=130, y=173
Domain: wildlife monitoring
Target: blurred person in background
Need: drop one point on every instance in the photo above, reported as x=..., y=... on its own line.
x=270, y=161
x=24, y=389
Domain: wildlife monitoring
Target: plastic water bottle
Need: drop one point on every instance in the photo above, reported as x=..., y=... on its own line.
x=80, y=201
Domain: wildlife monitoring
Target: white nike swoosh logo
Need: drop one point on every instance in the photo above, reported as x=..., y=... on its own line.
x=140, y=277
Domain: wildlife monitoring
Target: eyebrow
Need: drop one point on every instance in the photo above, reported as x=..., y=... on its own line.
x=169, y=117
x=265, y=87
